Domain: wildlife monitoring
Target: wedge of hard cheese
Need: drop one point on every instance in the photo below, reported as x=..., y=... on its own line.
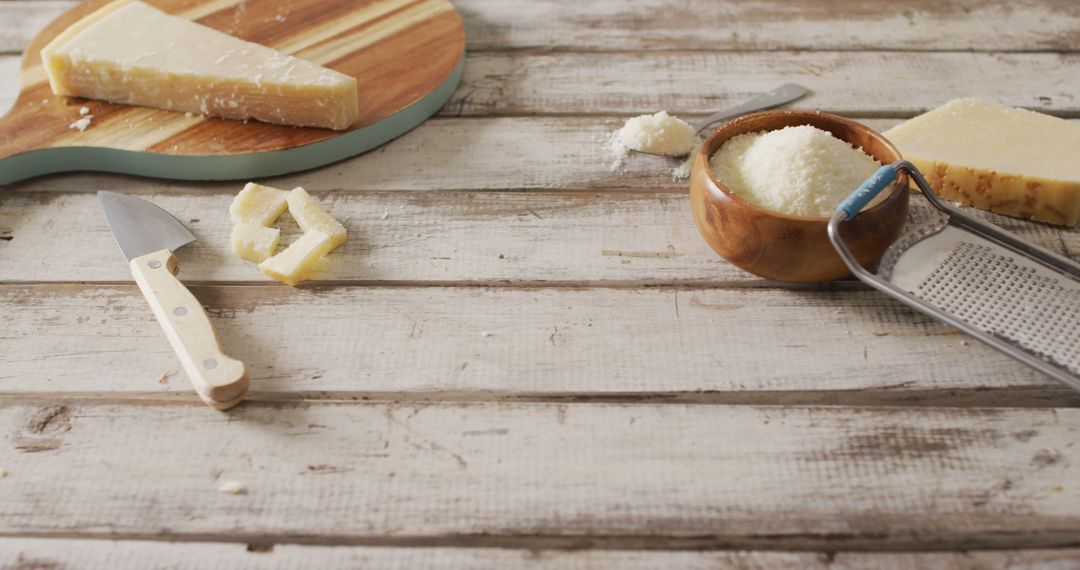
x=129, y=52
x=997, y=158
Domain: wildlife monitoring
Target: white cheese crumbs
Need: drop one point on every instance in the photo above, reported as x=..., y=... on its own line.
x=232, y=488
x=485, y=334
x=3, y=473
x=385, y=214
x=84, y=111
x=682, y=171
x=618, y=152
x=658, y=134
x=801, y=171
x=81, y=124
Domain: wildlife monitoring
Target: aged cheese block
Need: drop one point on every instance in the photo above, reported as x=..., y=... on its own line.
x=129, y=52
x=254, y=243
x=300, y=259
x=259, y=205
x=1012, y=161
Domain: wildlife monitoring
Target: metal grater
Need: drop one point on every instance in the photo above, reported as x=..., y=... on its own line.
x=1005, y=292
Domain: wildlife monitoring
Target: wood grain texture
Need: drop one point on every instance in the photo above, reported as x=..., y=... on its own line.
x=602, y=25
x=706, y=476
x=482, y=238
x=430, y=342
x=399, y=51
x=26, y=553
x=848, y=83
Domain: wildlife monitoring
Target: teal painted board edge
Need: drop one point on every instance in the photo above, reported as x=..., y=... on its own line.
x=233, y=167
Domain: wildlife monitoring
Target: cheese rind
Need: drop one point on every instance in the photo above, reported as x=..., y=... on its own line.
x=310, y=216
x=254, y=243
x=1011, y=161
x=300, y=259
x=258, y=205
x=129, y=52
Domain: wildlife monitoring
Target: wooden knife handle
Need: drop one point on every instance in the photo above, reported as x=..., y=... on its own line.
x=219, y=380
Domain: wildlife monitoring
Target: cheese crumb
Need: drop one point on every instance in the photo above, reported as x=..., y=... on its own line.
x=683, y=170
x=800, y=171
x=385, y=214
x=84, y=111
x=660, y=134
x=81, y=124
x=485, y=334
x=3, y=473
x=232, y=488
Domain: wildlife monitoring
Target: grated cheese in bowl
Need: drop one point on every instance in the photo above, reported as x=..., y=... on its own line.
x=799, y=171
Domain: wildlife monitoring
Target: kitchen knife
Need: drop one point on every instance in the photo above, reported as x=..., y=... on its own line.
x=147, y=236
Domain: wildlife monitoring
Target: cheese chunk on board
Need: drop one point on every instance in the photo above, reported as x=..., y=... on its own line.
x=299, y=260
x=1011, y=161
x=258, y=205
x=310, y=216
x=129, y=52
x=254, y=243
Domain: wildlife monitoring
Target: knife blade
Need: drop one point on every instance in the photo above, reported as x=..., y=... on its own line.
x=147, y=236
x=141, y=227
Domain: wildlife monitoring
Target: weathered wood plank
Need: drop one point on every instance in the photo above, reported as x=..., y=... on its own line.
x=519, y=153
x=893, y=84
x=589, y=474
x=704, y=25
x=16, y=553
x=856, y=83
x=491, y=343
x=432, y=237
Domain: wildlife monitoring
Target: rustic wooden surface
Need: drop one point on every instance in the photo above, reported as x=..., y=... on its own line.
x=524, y=359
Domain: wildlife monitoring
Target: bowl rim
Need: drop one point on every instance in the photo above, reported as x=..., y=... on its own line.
x=897, y=187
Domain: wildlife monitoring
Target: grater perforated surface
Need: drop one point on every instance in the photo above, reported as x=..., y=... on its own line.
x=994, y=289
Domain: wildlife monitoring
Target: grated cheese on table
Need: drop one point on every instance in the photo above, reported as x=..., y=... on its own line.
x=660, y=134
x=801, y=171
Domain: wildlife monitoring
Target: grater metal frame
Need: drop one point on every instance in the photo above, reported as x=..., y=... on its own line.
x=953, y=217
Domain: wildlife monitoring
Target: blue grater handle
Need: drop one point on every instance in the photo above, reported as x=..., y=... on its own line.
x=866, y=191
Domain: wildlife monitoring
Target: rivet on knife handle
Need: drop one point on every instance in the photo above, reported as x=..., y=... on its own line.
x=219, y=380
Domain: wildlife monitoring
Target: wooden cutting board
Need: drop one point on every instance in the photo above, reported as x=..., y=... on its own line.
x=407, y=57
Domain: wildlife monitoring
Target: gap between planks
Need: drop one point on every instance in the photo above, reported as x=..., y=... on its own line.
x=76, y=552
x=899, y=395
x=828, y=544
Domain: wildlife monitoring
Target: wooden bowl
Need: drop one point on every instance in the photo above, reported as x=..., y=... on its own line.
x=793, y=248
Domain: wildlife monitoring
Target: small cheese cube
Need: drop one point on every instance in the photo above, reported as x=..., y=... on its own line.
x=300, y=259
x=254, y=243
x=312, y=217
x=258, y=205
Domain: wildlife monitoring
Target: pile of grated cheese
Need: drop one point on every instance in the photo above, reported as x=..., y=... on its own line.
x=800, y=171
x=660, y=134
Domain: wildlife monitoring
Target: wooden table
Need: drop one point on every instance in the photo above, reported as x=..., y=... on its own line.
x=521, y=358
